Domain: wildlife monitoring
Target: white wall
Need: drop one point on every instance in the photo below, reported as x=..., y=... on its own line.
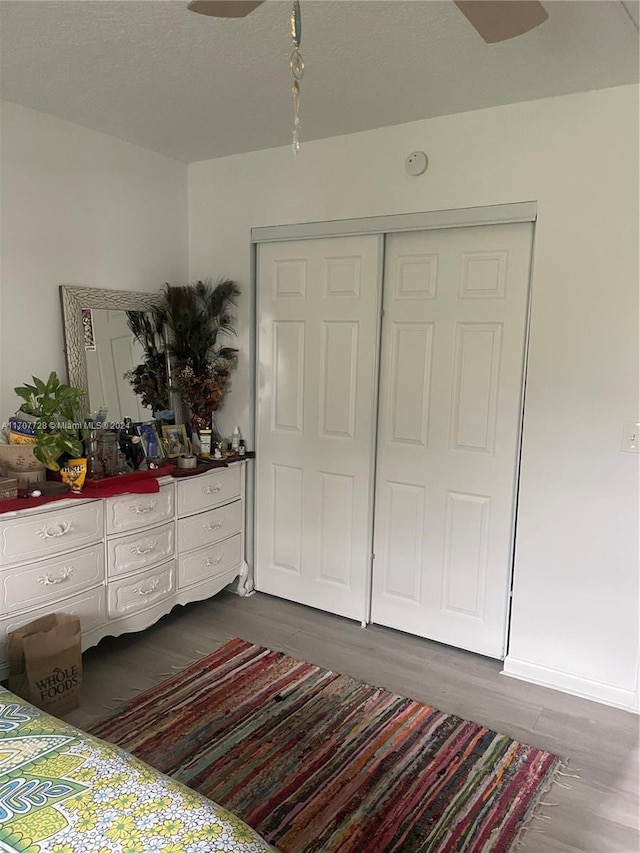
x=575, y=621
x=77, y=207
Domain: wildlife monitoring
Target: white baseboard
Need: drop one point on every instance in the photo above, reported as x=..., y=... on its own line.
x=597, y=691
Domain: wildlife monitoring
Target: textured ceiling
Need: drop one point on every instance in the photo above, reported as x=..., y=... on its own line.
x=152, y=73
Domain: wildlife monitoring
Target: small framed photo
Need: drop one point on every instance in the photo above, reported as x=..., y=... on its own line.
x=175, y=441
x=150, y=441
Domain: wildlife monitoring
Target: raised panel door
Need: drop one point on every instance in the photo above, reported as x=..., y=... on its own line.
x=453, y=343
x=318, y=308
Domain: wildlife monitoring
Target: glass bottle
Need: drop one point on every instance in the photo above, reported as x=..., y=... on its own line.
x=107, y=452
x=95, y=468
x=122, y=466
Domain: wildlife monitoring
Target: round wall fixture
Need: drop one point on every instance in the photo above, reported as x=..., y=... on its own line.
x=416, y=163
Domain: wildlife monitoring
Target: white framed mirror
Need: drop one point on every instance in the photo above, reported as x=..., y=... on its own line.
x=100, y=347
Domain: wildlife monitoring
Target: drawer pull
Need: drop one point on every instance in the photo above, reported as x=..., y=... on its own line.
x=139, y=550
x=140, y=509
x=55, y=530
x=216, y=526
x=211, y=490
x=65, y=574
x=146, y=590
x=209, y=562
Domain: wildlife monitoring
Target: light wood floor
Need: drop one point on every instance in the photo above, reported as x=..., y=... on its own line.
x=598, y=814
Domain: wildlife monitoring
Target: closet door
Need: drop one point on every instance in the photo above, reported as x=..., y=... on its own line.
x=453, y=341
x=318, y=315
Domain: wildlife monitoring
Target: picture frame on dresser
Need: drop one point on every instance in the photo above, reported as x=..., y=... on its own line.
x=174, y=439
x=150, y=440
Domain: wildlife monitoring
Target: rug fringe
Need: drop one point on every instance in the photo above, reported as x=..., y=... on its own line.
x=563, y=770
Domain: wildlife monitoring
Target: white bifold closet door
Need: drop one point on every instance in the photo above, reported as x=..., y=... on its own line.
x=318, y=317
x=453, y=341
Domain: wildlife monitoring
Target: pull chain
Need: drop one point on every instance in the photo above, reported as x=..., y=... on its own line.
x=297, y=67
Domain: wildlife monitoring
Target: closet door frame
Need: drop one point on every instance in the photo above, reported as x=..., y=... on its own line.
x=525, y=211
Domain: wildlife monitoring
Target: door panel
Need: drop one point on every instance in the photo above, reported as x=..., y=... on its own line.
x=318, y=310
x=453, y=338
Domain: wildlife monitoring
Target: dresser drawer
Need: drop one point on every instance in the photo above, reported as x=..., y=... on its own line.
x=210, y=562
x=128, y=595
x=139, y=550
x=208, y=490
x=131, y=512
x=209, y=527
x=30, y=538
x=88, y=606
x=52, y=580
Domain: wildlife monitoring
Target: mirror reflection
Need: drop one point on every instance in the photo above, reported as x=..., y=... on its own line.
x=111, y=351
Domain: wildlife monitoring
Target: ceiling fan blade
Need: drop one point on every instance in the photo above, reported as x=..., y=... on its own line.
x=224, y=8
x=498, y=20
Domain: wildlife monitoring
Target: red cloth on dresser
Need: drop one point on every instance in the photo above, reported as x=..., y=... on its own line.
x=137, y=483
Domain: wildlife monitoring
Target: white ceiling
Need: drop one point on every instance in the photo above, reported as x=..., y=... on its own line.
x=193, y=87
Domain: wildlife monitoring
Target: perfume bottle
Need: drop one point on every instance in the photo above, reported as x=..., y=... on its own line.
x=235, y=440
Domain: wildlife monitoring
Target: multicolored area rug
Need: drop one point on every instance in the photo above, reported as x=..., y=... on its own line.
x=317, y=761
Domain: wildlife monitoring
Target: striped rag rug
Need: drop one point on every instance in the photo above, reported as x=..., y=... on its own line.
x=317, y=761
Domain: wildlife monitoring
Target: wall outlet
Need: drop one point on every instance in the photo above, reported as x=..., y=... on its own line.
x=631, y=437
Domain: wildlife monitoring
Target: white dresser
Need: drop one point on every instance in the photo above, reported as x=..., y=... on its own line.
x=121, y=563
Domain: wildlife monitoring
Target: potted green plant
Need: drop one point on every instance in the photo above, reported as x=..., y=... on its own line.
x=54, y=410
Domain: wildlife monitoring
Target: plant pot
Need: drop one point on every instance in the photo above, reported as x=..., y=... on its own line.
x=17, y=461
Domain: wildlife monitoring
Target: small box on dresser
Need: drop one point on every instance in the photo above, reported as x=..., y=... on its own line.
x=8, y=488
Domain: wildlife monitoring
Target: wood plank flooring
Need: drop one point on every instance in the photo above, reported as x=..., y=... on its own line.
x=599, y=813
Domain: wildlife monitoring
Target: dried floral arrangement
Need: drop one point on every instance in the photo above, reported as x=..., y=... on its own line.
x=190, y=318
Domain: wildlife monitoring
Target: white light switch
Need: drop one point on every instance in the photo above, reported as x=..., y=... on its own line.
x=631, y=437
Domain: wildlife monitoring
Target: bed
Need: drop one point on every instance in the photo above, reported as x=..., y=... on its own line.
x=64, y=791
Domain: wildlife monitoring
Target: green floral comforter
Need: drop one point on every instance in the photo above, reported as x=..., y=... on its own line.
x=63, y=791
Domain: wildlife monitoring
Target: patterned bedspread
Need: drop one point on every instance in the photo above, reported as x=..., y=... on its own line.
x=63, y=791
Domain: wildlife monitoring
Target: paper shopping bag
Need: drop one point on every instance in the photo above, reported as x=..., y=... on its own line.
x=45, y=662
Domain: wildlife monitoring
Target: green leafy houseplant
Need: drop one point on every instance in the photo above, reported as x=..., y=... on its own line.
x=56, y=407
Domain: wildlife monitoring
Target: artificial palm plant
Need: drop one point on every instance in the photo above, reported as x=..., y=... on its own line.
x=191, y=318
x=195, y=315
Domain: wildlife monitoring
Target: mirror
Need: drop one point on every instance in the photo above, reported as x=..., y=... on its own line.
x=100, y=347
